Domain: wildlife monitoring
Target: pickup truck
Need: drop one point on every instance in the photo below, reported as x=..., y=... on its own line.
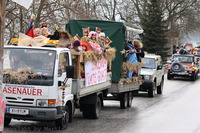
x=41, y=86
x=152, y=75
x=183, y=65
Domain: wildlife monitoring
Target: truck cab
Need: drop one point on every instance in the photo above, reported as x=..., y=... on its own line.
x=152, y=75
x=36, y=84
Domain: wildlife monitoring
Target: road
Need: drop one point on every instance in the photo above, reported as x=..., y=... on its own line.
x=176, y=111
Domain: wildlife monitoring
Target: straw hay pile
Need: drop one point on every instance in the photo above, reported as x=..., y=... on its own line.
x=93, y=56
x=133, y=80
x=18, y=77
x=127, y=66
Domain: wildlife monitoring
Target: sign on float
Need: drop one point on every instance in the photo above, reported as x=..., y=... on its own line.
x=95, y=73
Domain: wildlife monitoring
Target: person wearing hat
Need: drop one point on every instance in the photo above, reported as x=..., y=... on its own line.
x=140, y=52
x=32, y=32
x=101, y=39
x=44, y=31
x=76, y=45
x=75, y=62
x=65, y=39
x=93, y=42
x=84, y=43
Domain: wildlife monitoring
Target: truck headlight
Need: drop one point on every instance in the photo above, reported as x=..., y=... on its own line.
x=147, y=77
x=42, y=103
x=46, y=103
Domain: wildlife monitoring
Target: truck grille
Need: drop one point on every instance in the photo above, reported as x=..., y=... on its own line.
x=19, y=101
x=185, y=67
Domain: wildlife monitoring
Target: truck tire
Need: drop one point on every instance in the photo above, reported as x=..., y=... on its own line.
x=193, y=77
x=86, y=111
x=62, y=123
x=7, y=121
x=169, y=76
x=124, y=100
x=151, y=90
x=92, y=111
x=176, y=67
x=160, y=87
x=96, y=109
x=130, y=98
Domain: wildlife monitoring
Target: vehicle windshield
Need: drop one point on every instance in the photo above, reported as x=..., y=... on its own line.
x=184, y=59
x=149, y=63
x=29, y=62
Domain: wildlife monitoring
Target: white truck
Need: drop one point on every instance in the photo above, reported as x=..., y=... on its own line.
x=38, y=85
x=152, y=73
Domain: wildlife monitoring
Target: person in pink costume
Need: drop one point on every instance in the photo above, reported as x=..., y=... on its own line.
x=93, y=42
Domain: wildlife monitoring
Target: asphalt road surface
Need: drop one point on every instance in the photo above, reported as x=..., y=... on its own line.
x=177, y=110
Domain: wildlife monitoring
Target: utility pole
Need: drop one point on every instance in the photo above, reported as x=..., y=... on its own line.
x=2, y=28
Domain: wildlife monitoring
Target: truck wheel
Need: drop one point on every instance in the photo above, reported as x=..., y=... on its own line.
x=193, y=77
x=124, y=100
x=151, y=90
x=160, y=87
x=130, y=98
x=169, y=76
x=62, y=123
x=96, y=109
x=86, y=111
x=7, y=121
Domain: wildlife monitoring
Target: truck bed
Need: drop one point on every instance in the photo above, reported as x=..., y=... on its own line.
x=79, y=89
x=115, y=88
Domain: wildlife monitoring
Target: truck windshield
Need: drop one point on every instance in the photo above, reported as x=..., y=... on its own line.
x=148, y=63
x=184, y=59
x=29, y=62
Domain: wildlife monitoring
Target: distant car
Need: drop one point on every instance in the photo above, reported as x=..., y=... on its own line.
x=183, y=65
x=152, y=73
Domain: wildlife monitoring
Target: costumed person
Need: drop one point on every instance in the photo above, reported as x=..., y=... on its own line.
x=192, y=50
x=93, y=42
x=44, y=31
x=85, y=47
x=55, y=36
x=76, y=45
x=75, y=48
x=140, y=52
x=131, y=57
x=84, y=43
x=65, y=39
x=101, y=39
x=32, y=32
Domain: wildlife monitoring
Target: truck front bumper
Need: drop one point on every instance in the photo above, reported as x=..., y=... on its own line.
x=146, y=84
x=36, y=113
x=182, y=74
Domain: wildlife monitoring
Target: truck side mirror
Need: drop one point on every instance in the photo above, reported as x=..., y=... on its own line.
x=70, y=71
x=159, y=67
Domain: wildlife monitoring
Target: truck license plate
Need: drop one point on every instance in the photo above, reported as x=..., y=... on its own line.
x=18, y=111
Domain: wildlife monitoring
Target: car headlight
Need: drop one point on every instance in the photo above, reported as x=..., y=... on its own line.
x=147, y=77
x=46, y=103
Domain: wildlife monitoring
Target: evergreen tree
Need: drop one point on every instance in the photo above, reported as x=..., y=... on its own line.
x=154, y=36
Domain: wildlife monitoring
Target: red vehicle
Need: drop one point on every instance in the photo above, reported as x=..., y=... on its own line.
x=182, y=65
